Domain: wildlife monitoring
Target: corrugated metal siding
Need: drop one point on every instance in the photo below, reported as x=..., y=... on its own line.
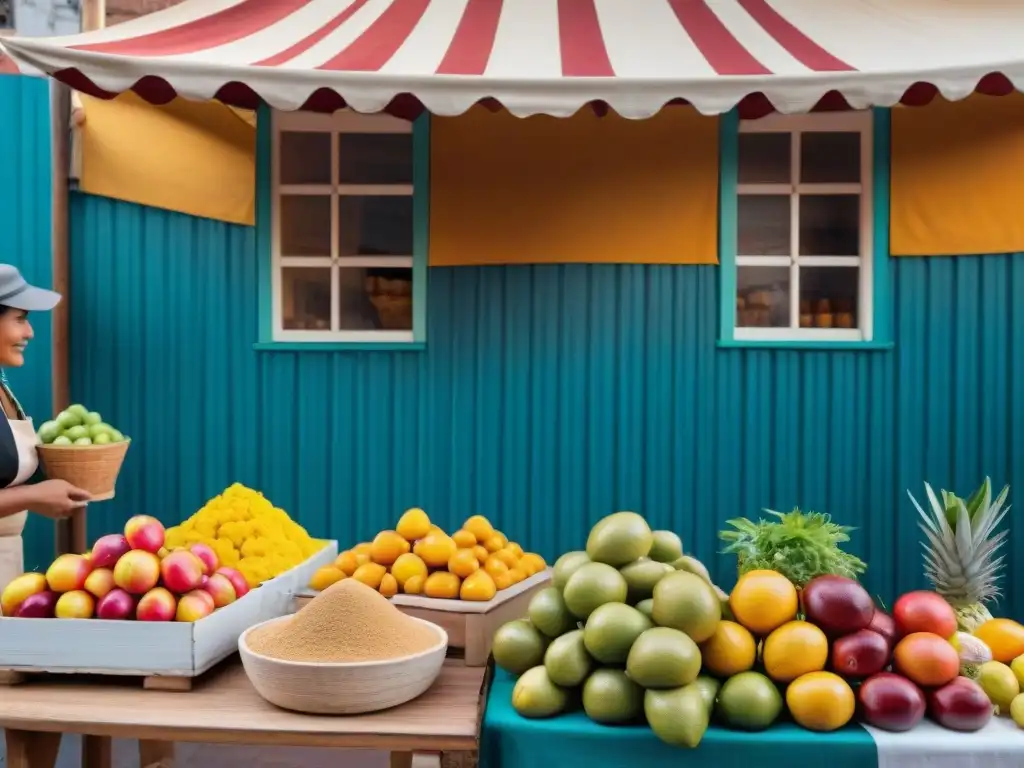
x=548, y=397
x=25, y=242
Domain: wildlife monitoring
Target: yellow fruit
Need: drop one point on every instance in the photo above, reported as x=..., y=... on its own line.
x=413, y=525
x=463, y=563
x=480, y=527
x=324, y=577
x=1004, y=637
x=414, y=585
x=495, y=566
x=820, y=701
x=362, y=558
x=533, y=561
x=479, y=587
x=387, y=547
x=442, y=584
x=436, y=549
x=481, y=553
x=763, y=600
x=362, y=549
x=407, y=566
x=347, y=562
x=729, y=651
x=515, y=548
x=464, y=539
x=437, y=529
x=388, y=586
x=794, y=649
x=516, y=575
x=370, y=574
x=495, y=541
x=507, y=557
x=503, y=580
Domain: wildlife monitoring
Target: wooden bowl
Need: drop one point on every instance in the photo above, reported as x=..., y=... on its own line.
x=93, y=468
x=347, y=688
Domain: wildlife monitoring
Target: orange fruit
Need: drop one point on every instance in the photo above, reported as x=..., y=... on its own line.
x=324, y=577
x=362, y=549
x=495, y=541
x=794, y=649
x=532, y=561
x=370, y=574
x=388, y=586
x=926, y=659
x=387, y=546
x=481, y=553
x=478, y=587
x=507, y=557
x=362, y=558
x=480, y=527
x=407, y=566
x=413, y=524
x=514, y=548
x=435, y=549
x=1004, y=637
x=436, y=529
x=503, y=580
x=463, y=563
x=820, y=701
x=729, y=651
x=763, y=600
x=464, y=539
x=516, y=574
x=414, y=585
x=495, y=566
x=442, y=584
x=347, y=562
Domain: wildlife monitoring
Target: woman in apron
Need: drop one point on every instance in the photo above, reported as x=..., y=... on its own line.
x=18, y=460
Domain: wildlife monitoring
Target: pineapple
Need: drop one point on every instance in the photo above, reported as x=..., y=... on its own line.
x=960, y=554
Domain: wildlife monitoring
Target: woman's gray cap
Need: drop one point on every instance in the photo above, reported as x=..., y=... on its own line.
x=18, y=294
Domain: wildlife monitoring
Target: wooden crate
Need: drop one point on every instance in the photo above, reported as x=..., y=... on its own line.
x=165, y=654
x=470, y=626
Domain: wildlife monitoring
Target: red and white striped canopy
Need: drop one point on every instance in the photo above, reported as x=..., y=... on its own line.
x=547, y=56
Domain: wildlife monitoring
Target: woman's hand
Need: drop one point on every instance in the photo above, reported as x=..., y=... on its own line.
x=57, y=499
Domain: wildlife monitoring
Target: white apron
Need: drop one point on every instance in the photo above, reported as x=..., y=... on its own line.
x=11, y=527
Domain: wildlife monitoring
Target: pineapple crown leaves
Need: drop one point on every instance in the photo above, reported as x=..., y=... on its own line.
x=959, y=554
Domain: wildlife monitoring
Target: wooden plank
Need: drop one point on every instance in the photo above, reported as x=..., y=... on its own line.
x=97, y=752
x=30, y=749
x=447, y=717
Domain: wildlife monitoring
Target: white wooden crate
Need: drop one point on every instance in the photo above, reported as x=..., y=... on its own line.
x=149, y=649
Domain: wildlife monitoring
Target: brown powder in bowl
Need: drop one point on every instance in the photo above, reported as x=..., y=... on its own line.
x=348, y=621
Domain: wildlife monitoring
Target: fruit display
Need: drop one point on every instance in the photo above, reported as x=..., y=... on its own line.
x=245, y=531
x=419, y=558
x=128, y=576
x=77, y=425
x=634, y=631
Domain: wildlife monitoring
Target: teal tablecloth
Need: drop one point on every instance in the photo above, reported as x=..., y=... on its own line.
x=511, y=741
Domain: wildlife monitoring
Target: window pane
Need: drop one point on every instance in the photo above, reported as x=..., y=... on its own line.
x=829, y=225
x=828, y=297
x=375, y=225
x=764, y=158
x=829, y=158
x=375, y=158
x=305, y=158
x=762, y=297
x=306, y=298
x=763, y=222
x=305, y=222
x=375, y=299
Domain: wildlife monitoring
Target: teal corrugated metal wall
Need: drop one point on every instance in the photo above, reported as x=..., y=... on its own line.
x=547, y=397
x=25, y=204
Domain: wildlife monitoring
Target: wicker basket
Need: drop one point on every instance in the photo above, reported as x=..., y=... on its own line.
x=93, y=468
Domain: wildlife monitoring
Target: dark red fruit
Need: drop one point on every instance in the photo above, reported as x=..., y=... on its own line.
x=840, y=606
x=924, y=611
x=861, y=654
x=890, y=702
x=960, y=706
x=885, y=625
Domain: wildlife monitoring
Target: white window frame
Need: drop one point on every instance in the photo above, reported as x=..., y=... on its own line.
x=343, y=121
x=795, y=125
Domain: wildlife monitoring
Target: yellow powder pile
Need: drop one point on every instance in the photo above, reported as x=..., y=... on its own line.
x=349, y=621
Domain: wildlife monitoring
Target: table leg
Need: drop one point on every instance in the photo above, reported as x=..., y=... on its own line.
x=398, y=760
x=156, y=754
x=97, y=752
x=31, y=749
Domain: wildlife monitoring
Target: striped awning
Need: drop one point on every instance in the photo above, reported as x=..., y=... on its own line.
x=547, y=56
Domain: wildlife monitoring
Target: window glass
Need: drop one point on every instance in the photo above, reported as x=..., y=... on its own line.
x=305, y=158
x=306, y=298
x=829, y=158
x=762, y=297
x=375, y=158
x=375, y=225
x=305, y=225
x=763, y=223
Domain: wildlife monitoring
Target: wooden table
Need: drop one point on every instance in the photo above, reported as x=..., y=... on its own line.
x=223, y=708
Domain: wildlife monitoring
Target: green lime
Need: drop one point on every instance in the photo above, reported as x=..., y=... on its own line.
x=665, y=547
x=517, y=646
x=566, y=566
x=619, y=539
x=749, y=701
x=567, y=660
x=611, y=631
x=663, y=657
x=591, y=586
x=610, y=697
x=548, y=613
x=535, y=695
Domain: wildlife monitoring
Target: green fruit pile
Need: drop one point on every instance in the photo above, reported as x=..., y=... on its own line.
x=77, y=425
x=619, y=631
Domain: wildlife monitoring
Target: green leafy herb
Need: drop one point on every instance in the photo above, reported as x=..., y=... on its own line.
x=798, y=545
